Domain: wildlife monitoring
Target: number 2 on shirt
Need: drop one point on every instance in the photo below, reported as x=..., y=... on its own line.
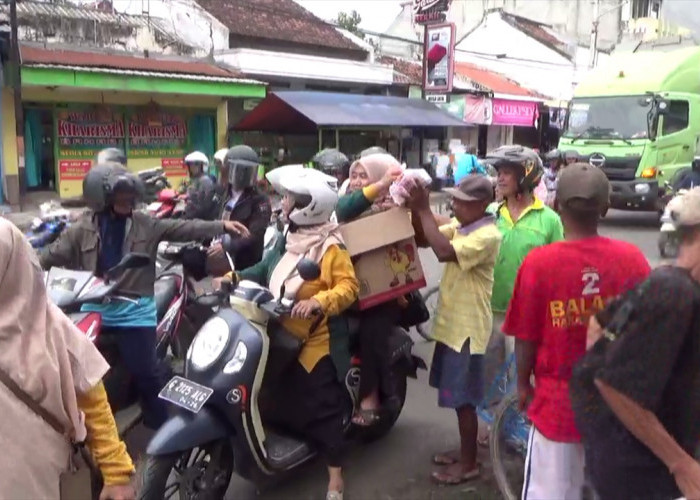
x=590, y=281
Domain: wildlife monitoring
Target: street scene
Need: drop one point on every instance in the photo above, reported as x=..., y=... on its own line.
x=382, y=249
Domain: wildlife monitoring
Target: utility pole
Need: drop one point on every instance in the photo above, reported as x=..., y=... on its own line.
x=16, y=60
x=593, y=47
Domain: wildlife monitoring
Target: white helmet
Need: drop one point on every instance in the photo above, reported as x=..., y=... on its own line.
x=197, y=157
x=274, y=175
x=220, y=155
x=314, y=193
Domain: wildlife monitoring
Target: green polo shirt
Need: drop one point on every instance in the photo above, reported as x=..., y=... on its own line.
x=538, y=225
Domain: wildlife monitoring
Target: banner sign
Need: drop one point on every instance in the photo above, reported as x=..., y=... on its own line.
x=73, y=170
x=517, y=113
x=438, y=58
x=174, y=167
x=81, y=134
x=430, y=11
x=164, y=136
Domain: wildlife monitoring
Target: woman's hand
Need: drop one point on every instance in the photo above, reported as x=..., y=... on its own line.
x=118, y=492
x=687, y=476
x=215, y=250
x=306, y=308
x=236, y=228
x=389, y=177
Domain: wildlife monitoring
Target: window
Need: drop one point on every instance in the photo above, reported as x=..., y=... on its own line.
x=677, y=117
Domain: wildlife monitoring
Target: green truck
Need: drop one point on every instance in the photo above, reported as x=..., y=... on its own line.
x=638, y=119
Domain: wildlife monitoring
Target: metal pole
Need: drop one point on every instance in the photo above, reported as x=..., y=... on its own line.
x=337, y=139
x=17, y=94
x=594, y=34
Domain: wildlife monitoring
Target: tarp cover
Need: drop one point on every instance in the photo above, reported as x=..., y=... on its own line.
x=304, y=112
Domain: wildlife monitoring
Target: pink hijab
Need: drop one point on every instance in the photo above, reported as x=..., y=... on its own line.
x=376, y=166
x=40, y=348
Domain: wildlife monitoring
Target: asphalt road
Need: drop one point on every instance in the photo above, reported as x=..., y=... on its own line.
x=398, y=467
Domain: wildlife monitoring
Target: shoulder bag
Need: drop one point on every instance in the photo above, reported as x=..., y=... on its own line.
x=82, y=480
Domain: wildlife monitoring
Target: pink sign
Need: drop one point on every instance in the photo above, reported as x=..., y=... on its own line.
x=518, y=113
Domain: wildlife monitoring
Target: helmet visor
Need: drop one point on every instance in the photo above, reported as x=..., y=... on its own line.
x=241, y=176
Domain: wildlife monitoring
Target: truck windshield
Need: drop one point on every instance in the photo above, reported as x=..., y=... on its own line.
x=607, y=118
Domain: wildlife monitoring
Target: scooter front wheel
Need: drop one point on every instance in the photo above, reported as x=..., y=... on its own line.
x=202, y=472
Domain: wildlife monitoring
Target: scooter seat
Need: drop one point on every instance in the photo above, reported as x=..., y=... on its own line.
x=285, y=452
x=164, y=291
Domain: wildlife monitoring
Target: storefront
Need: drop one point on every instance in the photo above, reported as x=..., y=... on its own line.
x=156, y=110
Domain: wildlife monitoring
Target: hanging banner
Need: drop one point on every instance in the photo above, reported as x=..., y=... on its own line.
x=82, y=134
x=438, y=58
x=161, y=136
x=517, y=113
x=174, y=167
x=430, y=11
x=478, y=109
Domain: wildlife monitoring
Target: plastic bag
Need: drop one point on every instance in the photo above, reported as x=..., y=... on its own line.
x=399, y=189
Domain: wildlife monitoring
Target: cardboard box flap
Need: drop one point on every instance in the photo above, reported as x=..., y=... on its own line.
x=376, y=231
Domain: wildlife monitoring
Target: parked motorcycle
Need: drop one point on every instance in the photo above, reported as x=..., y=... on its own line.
x=69, y=290
x=170, y=205
x=154, y=181
x=231, y=367
x=668, y=236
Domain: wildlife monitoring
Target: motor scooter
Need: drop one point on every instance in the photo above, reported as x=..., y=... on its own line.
x=170, y=205
x=668, y=235
x=232, y=364
x=69, y=290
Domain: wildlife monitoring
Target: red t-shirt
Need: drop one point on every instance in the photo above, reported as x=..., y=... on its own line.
x=558, y=288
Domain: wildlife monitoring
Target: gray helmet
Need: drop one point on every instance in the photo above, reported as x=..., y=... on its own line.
x=120, y=180
x=374, y=150
x=111, y=155
x=331, y=162
x=526, y=161
x=242, y=164
x=95, y=185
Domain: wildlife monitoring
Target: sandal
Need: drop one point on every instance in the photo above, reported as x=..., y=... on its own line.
x=447, y=479
x=366, y=418
x=446, y=458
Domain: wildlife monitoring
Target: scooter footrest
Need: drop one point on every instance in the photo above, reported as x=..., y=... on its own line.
x=284, y=451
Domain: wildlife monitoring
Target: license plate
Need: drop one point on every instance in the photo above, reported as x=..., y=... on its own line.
x=186, y=394
x=154, y=206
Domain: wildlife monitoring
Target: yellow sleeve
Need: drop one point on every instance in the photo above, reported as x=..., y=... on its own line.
x=474, y=249
x=337, y=269
x=103, y=440
x=448, y=230
x=371, y=192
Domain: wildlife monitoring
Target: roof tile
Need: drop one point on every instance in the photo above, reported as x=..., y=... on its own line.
x=405, y=72
x=280, y=20
x=41, y=55
x=495, y=81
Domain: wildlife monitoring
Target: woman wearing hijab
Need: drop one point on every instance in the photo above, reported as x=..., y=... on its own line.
x=313, y=399
x=46, y=359
x=368, y=193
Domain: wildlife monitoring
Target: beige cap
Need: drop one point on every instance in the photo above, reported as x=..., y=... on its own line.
x=688, y=211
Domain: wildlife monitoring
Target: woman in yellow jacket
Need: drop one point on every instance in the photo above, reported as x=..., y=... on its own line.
x=313, y=397
x=46, y=362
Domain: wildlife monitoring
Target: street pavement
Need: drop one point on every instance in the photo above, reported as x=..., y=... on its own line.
x=398, y=466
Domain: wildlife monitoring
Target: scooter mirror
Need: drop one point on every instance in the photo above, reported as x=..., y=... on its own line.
x=308, y=270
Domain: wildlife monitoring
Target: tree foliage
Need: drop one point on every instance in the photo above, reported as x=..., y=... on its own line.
x=350, y=22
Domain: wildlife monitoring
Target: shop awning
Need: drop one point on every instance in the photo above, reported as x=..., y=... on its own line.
x=305, y=112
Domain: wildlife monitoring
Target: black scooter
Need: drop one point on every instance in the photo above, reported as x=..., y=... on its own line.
x=235, y=358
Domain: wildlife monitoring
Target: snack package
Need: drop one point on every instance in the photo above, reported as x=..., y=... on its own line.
x=399, y=189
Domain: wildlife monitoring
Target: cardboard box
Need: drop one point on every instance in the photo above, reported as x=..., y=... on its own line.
x=385, y=256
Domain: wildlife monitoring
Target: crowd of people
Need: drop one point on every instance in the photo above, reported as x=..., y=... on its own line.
x=607, y=351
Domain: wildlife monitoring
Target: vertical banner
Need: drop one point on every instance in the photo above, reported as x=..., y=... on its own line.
x=81, y=135
x=438, y=57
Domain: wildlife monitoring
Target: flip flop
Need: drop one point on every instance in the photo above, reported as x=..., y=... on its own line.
x=446, y=479
x=444, y=459
x=366, y=418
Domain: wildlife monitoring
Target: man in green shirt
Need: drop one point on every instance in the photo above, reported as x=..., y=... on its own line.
x=525, y=223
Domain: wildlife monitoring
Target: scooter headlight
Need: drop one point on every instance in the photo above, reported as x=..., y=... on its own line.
x=238, y=359
x=210, y=342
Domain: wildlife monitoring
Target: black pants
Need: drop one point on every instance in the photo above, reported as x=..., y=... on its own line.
x=376, y=325
x=313, y=405
x=137, y=349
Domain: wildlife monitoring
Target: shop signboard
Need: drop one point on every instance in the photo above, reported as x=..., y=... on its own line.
x=517, y=113
x=436, y=98
x=162, y=135
x=174, y=167
x=438, y=58
x=430, y=11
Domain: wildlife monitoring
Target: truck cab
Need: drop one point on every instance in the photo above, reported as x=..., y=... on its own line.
x=638, y=119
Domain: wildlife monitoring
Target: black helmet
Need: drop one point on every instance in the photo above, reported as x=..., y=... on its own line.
x=95, y=185
x=374, y=150
x=111, y=155
x=527, y=162
x=242, y=164
x=120, y=180
x=331, y=162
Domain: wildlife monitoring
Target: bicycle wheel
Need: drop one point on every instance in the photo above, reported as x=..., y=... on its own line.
x=508, y=447
x=430, y=297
